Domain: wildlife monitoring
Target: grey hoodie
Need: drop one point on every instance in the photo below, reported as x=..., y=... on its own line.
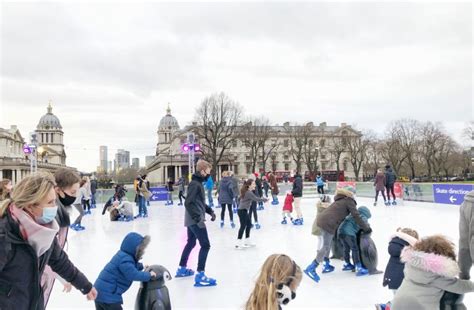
x=466, y=236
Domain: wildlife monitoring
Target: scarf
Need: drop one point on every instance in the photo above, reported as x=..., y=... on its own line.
x=40, y=237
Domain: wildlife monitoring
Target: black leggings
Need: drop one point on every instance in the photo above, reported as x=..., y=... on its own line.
x=390, y=188
x=253, y=211
x=86, y=202
x=245, y=225
x=180, y=196
x=321, y=189
x=103, y=306
x=377, y=195
x=229, y=207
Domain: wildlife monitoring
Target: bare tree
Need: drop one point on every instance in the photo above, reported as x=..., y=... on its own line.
x=338, y=147
x=267, y=148
x=254, y=135
x=357, y=147
x=310, y=150
x=468, y=132
x=431, y=134
x=296, y=135
x=217, y=119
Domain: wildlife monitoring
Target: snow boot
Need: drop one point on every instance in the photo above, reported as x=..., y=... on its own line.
x=310, y=271
x=201, y=280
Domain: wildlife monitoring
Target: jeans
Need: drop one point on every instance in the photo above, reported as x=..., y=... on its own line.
x=321, y=189
x=195, y=232
x=229, y=207
x=93, y=200
x=170, y=197
x=245, y=225
x=86, y=203
x=253, y=211
x=350, y=244
x=209, y=198
x=325, y=249
x=142, y=209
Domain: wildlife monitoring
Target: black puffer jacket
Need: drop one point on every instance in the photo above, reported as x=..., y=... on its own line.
x=297, y=186
x=390, y=177
x=393, y=276
x=21, y=269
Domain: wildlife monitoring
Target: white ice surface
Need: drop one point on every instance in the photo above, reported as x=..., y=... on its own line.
x=235, y=270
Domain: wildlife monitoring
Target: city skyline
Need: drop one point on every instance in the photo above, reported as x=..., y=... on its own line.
x=110, y=78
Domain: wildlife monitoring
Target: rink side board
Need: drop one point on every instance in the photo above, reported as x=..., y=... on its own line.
x=452, y=194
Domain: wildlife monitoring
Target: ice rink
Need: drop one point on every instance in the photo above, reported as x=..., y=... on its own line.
x=236, y=270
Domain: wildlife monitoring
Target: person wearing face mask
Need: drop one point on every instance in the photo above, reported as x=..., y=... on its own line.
x=276, y=285
x=67, y=188
x=194, y=220
x=28, y=243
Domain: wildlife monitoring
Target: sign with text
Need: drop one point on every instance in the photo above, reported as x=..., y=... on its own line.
x=452, y=194
x=159, y=193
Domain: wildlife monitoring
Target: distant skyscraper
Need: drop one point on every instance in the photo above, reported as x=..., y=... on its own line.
x=122, y=159
x=103, y=158
x=136, y=163
x=149, y=159
x=110, y=166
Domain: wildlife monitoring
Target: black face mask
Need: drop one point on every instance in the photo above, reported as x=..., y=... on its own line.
x=67, y=200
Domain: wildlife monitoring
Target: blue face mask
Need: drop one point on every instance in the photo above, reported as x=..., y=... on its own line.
x=48, y=215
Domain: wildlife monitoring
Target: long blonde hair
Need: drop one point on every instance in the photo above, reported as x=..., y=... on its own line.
x=278, y=268
x=3, y=189
x=30, y=191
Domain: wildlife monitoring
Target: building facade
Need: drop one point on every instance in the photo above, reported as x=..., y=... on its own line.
x=136, y=163
x=171, y=162
x=103, y=159
x=122, y=160
x=15, y=165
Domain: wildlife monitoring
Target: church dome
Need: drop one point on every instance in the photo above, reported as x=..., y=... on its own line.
x=49, y=120
x=168, y=121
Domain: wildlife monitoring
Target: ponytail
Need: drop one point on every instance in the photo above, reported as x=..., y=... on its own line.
x=4, y=206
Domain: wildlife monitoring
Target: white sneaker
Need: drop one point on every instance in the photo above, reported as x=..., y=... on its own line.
x=240, y=245
x=248, y=243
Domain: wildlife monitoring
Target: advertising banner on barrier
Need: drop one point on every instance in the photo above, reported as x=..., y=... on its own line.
x=450, y=193
x=398, y=189
x=350, y=185
x=159, y=193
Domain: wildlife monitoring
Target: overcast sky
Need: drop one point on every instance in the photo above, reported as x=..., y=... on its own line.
x=110, y=69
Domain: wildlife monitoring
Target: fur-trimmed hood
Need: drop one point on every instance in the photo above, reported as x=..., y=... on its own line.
x=405, y=237
x=344, y=192
x=429, y=263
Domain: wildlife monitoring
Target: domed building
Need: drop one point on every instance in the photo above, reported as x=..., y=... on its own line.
x=49, y=134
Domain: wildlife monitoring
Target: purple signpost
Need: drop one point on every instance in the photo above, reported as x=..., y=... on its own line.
x=452, y=194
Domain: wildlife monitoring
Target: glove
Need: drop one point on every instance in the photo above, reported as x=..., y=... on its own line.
x=368, y=231
x=213, y=217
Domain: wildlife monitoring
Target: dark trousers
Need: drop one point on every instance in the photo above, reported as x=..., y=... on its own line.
x=377, y=195
x=245, y=225
x=391, y=189
x=181, y=196
x=350, y=244
x=195, y=232
x=321, y=189
x=93, y=199
x=102, y=306
x=253, y=211
x=266, y=192
x=86, y=204
x=229, y=207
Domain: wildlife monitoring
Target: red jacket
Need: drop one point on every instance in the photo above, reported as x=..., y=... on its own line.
x=288, y=206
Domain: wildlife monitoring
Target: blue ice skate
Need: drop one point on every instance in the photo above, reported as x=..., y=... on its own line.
x=232, y=224
x=394, y=203
x=348, y=267
x=310, y=271
x=327, y=267
x=387, y=203
x=284, y=222
x=257, y=226
x=184, y=272
x=200, y=280
x=361, y=271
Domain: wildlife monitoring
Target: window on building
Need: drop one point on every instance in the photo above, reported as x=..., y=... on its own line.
x=310, y=142
x=236, y=169
x=249, y=168
x=322, y=143
x=323, y=166
x=287, y=166
x=47, y=138
x=285, y=143
x=323, y=156
x=345, y=165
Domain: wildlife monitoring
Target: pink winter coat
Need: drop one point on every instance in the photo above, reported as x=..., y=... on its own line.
x=379, y=182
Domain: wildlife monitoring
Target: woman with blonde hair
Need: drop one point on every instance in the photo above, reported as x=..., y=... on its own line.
x=5, y=189
x=276, y=285
x=28, y=243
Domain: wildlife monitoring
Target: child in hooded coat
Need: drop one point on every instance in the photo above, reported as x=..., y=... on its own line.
x=347, y=232
x=430, y=270
x=124, y=268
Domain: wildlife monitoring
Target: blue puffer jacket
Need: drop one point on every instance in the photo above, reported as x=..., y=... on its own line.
x=349, y=226
x=124, y=268
x=319, y=181
x=209, y=183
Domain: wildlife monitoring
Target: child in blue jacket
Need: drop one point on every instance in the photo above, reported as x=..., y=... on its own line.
x=348, y=234
x=118, y=275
